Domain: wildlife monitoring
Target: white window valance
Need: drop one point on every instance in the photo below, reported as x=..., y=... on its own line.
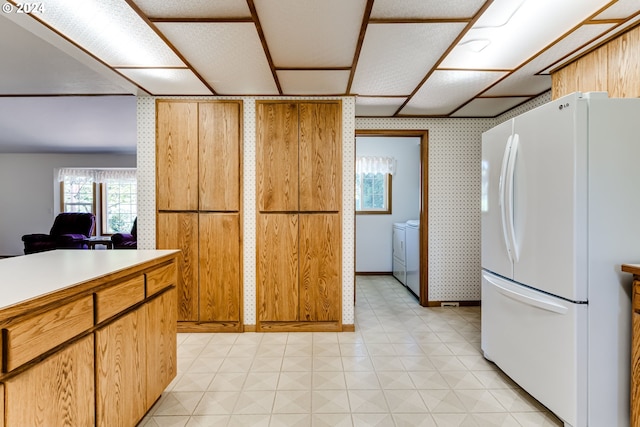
x=99, y=175
x=373, y=164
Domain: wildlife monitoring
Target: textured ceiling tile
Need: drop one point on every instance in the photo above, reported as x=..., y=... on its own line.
x=229, y=56
x=425, y=8
x=445, y=91
x=620, y=9
x=565, y=51
x=167, y=81
x=489, y=107
x=396, y=57
x=377, y=107
x=313, y=82
x=311, y=33
x=23, y=64
x=111, y=31
x=195, y=8
x=515, y=37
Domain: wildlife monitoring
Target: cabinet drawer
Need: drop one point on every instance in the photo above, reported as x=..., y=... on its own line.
x=161, y=278
x=32, y=337
x=113, y=300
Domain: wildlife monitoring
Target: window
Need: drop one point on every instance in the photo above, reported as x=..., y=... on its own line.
x=119, y=198
x=373, y=185
x=77, y=193
x=373, y=193
x=116, y=201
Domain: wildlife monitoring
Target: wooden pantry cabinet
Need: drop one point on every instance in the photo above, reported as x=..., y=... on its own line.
x=299, y=190
x=198, y=152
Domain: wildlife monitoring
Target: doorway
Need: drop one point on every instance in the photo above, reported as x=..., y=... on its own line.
x=422, y=136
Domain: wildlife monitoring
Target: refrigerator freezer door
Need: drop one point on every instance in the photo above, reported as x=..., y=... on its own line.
x=550, y=198
x=540, y=342
x=495, y=255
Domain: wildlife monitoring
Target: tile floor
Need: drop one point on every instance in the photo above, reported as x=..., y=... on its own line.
x=405, y=365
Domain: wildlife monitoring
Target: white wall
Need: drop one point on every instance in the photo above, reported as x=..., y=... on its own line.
x=27, y=187
x=374, y=232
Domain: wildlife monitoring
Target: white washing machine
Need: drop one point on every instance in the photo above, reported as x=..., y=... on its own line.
x=412, y=240
x=399, y=253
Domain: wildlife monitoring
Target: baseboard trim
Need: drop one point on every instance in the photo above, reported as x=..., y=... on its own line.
x=470, y=303
x=374, y=273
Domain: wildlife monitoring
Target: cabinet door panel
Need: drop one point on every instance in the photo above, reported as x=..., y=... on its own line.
x=180, y=231
x=277, y=267
x=320, y=286
x=219, y=267
x=320, y=159
x=277, y=157
x=58, y=391
x=121, y=372
x=177, y=155
x=161, y=357
x=219, y=156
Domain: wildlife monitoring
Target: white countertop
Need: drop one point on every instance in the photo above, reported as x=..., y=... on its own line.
x=23, y=278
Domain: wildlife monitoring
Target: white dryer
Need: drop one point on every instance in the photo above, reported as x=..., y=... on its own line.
x=412, y=239
x=399, y=252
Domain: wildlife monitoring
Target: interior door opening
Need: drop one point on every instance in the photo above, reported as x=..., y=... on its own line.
x=380, y=138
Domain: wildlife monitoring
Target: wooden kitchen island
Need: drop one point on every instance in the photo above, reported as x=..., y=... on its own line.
x=88, y=337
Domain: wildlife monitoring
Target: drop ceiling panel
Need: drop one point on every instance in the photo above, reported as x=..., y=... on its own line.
x=445, y=91
x=311, y=33
x=417, y=9
x=522, y=82
x=396, y=57
x=167, y=81
x=377, y=107
x=587, y=37
x=23, y=63
x=313, y=82
x=229, y=56
x=130, y=42
x=515, y=37
x=195, y=8
x=489, y=107
x=620, y=10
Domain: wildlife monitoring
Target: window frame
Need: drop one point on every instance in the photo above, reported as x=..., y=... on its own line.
x=388, y=210
x=104, y=220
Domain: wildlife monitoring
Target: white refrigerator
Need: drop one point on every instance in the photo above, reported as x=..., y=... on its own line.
x=560, y=213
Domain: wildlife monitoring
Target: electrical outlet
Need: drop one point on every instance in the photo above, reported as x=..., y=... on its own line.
x=450, y=304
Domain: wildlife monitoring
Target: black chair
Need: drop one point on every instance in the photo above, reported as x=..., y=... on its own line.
x=70, y=230
x=126, y=240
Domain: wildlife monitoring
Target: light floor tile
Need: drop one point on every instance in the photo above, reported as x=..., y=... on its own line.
x=329, y=401
x=294, y=380
x=292, y=402
x=368, y=401
x=405, y=366
x=290, y=420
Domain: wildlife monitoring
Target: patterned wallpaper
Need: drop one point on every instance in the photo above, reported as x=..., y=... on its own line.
x=454, y=196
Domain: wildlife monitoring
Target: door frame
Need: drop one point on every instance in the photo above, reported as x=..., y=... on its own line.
x=423, y=134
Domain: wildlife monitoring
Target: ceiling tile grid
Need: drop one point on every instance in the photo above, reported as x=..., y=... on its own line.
x=396, y=57
x=311, y=33
x=194, y=8
x=229, y=56
x=425, y=9
x=447, y=90
x=388, y=53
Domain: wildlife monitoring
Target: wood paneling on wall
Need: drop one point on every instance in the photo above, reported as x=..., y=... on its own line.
x=613, y=68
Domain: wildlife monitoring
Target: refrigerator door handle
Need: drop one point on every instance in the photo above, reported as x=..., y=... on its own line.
x=511, y=170
x=502, y=188
x=539, y=302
